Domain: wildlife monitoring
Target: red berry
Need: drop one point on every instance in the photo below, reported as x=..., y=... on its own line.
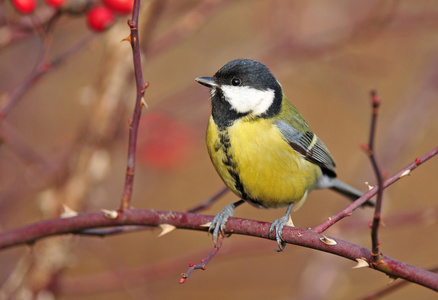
x=120, y=6
x=24, y=6
x=100, y=18
x=55, y=3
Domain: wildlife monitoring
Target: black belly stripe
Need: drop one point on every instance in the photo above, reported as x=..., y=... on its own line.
x=238, y=184
x=230, y=163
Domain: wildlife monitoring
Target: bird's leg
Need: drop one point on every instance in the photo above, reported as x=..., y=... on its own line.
x=219, y=221
x=279, y=224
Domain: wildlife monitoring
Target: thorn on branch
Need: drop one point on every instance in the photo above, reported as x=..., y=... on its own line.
x=68, y=212
x=361, y=263
x=165, y=229
x=391, y=279
x=110, y=214
x=327, y=241
x=143, y=103
x=405, y=173
x=127, y=39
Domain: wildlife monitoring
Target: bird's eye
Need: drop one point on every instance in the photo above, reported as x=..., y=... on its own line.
x=236, y=81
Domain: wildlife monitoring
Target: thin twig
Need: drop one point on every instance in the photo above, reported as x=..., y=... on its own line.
x=346, y=212
x=186, y=25
x=42, y=67
x=20, y=146
x=392, y=287
x=371, y=154
x=118, y=278
x=204, y=262
x=102, y=232
x=135, y=121
x=17, y=29
x=209, y=202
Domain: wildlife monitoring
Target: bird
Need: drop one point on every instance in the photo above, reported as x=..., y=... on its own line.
x=262, y=147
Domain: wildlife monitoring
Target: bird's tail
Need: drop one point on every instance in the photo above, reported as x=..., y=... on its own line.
x=348, y=191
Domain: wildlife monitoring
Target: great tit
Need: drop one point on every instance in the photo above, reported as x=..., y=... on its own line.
x=262, y=147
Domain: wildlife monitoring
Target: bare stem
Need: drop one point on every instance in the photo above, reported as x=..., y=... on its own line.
x=375, y=101
x=346, y=212
x=42, y=67
x=209, y=202
x=391, y=288
x=135, y=121
x=183, y=27
x=204, y=262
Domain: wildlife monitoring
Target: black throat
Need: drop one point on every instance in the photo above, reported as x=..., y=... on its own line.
x=221, y=111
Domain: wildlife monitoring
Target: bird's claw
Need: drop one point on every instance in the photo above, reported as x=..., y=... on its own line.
x=217, y=226
x=278, y=226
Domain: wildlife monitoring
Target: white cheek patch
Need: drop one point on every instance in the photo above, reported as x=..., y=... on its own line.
x=244, y=99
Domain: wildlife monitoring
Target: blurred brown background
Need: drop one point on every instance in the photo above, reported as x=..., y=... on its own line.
x=65, y=142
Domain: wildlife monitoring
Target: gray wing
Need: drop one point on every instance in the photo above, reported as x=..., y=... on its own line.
x=310, y=146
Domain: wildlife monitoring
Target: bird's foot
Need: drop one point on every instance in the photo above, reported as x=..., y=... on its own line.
x=278, y=225
x=217, y=226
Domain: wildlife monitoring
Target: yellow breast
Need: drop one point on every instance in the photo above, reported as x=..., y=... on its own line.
x=256, y=162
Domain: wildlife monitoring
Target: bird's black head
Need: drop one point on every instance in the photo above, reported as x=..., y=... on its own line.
x=246, y=72
x=242, y=87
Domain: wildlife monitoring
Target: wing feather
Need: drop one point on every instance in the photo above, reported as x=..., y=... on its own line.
x=309, y=145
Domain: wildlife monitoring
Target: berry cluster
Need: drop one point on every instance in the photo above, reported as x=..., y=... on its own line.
x=99, y=17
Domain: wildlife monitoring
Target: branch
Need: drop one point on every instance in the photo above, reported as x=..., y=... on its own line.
x=204, y=262
x=186, y=25
x=105, y=281
x=391, y=288
x=23, y=27
x=346, y=212
x=297, y=236
x=209, y=202
x=106, y=231
x=375, y=101
x=102, y=232
x=135, y=121
x=42, y=67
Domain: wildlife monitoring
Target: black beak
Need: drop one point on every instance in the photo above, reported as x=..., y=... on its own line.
x=207, y=81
